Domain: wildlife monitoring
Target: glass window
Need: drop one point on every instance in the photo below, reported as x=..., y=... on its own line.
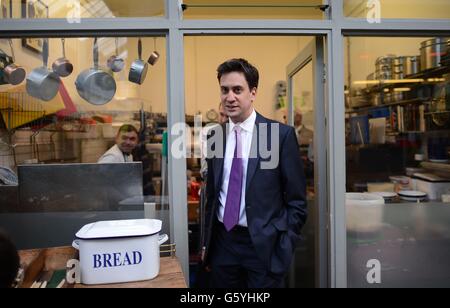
x=398, y=161
x=435, y=9
x=254, y=9
x=79, y=9
x=57, y=124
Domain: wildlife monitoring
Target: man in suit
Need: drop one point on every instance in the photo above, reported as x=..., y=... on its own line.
x=255, y=209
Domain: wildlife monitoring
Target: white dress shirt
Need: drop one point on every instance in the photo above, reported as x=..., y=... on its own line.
x=115, y=155
x=246, y=138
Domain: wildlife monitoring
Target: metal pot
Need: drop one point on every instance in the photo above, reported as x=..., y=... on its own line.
x=115, y=63
x=383, y=75
x=96, y=85
x=397, y=97
x=138, y=70
x=412, y=65
x=397, y=67
x=42, y=83
x=431, y=52
x=154, y=57
x=376, y=99
x=13, y=74
x=62, y=66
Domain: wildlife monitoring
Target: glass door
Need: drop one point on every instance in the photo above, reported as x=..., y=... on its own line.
x=306, y=112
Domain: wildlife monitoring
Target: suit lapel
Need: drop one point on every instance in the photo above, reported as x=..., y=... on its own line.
x=219, y=161
x=253, y=161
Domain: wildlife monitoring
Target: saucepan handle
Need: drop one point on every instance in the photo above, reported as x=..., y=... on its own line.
x=162, y=239
x=76, y=244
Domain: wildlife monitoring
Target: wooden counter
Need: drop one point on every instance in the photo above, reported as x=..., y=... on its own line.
x=37, y=261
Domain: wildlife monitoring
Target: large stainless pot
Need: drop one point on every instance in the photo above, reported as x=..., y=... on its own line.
x=383, y=75
x=13, y=74
x=96, y=85
x=397, y=67
x=431, y=52
x=42, y=83
x=383, y=67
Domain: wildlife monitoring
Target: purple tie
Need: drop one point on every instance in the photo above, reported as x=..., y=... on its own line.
x=233, y=204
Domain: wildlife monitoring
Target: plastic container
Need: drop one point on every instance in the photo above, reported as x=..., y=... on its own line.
x=364, y=212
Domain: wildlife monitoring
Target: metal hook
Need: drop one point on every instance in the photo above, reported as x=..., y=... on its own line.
x=12, y=50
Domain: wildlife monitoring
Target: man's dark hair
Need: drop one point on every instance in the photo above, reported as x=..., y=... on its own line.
x=240, y=65
x=9, y=262
x=127, y=128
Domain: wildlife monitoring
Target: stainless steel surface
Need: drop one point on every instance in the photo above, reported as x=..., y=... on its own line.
x=62, y=66
x=412, y=65
x=115, y=63
x=376, y=99
x=42, y=83
x=138, y=70
x=14, y=74
x=96, y=85
x=79, y=187
x=383, y=74
x=431, y=53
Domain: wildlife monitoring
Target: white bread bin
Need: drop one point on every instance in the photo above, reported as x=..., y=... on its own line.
x=119, y=251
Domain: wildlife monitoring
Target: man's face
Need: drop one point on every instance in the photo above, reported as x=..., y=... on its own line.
x=236, y=96
x=127, y=141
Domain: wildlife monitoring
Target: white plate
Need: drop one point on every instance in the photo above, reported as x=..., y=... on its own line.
x=386, y=194
x=412, y=199
x=412, y=195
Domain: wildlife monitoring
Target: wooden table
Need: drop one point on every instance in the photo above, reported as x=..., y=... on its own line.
x=36, y=261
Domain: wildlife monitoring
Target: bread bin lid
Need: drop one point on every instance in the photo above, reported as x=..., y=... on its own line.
x=119, y=228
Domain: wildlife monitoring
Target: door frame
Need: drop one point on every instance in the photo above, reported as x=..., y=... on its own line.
x=322, y=37
x=314, y=53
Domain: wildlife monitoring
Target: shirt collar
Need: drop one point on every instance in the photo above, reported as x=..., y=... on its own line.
x=248, y=125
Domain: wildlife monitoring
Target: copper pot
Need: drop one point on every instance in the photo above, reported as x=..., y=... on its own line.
x=14, y=74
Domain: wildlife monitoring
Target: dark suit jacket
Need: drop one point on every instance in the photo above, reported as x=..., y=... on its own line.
x=275, y=199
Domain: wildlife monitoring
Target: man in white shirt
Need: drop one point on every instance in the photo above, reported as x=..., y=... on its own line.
x=127, y=139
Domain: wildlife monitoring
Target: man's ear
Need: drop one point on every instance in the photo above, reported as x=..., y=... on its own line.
x=253, y=92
